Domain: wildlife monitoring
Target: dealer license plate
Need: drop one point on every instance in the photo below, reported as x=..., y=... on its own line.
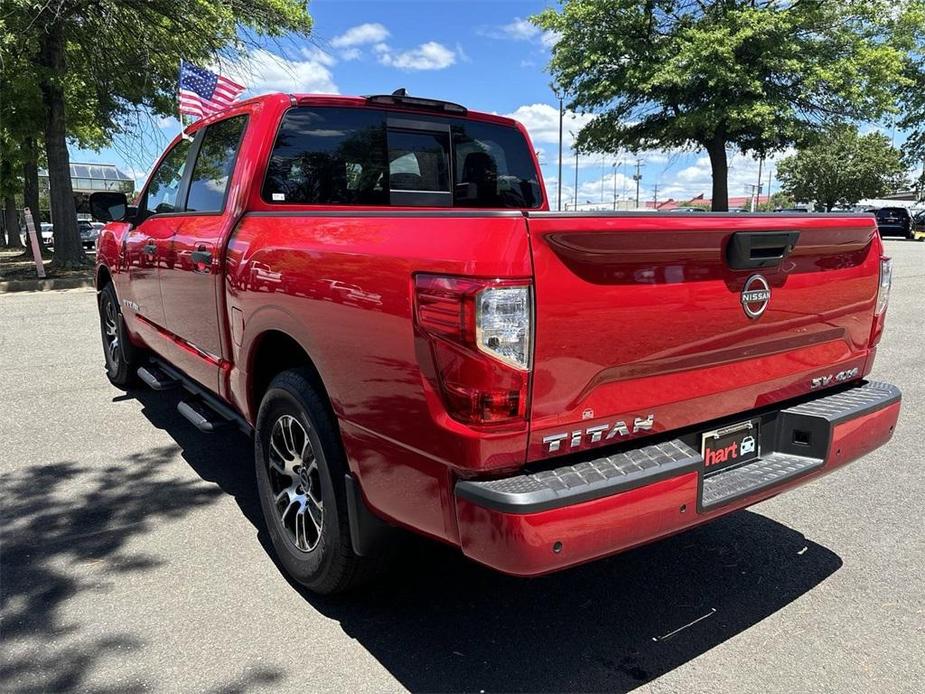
x=731, y=445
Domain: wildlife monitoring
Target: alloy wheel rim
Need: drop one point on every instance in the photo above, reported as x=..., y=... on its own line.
x=295, y=483
x=111, y=333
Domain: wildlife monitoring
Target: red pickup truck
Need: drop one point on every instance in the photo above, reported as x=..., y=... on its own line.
x=377, y=290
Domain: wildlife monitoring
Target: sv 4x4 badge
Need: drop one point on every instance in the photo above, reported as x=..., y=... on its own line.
x=829, y=379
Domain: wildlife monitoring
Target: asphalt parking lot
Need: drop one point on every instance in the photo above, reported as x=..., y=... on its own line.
x=133, y=557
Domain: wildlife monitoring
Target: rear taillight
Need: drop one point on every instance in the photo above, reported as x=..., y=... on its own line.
x=886, y=281
x=479, y=334
x=883, y=298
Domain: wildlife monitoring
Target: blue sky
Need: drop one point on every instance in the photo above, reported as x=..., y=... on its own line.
x=482, y=54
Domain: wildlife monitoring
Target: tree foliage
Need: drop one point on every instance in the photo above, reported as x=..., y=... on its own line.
x=842, y=168
x=96, y=67
x=756, y=76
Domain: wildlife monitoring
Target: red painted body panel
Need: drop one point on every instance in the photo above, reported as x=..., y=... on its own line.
x=640, y=316
x=523, y=544
x=341, y=287
x=633, y=316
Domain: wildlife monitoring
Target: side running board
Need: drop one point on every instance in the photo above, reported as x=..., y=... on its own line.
x=203, y=410
x=202, y=416
x=156, y=378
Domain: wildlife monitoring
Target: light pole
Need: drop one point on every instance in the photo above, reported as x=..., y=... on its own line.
x=575, y=147
x=758, y=187
x=638, y=178
x=561, y=115
x=615, y=186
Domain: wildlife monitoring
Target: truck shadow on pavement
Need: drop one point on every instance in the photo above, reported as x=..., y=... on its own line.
x=436, y=621
x=439, y=622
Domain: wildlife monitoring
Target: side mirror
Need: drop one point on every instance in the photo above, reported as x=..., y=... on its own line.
x=111, y=206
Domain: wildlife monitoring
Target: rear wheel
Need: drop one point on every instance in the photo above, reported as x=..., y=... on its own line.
x=122, y=357
x=300, y=478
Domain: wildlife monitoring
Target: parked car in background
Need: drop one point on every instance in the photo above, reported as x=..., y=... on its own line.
x=688, y=209
x=88, y=233
x=47, y=232
x=894, y=221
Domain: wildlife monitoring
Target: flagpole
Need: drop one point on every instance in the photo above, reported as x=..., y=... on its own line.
x=183, y=134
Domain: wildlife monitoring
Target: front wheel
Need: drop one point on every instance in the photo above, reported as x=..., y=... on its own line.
x=121, y=356
x=301, y=469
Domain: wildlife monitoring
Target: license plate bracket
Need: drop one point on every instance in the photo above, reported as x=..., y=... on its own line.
x=731, y=445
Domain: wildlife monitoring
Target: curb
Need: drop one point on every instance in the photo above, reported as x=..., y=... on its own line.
x=46, y=285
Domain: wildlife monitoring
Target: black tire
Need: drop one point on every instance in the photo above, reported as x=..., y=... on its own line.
x=321, y=560
x=122, y=357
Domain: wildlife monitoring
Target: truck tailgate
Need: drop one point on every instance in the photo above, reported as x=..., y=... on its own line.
x=641, y=326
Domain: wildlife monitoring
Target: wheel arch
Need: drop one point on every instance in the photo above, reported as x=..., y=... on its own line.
x=274, y=351
x=103, y=277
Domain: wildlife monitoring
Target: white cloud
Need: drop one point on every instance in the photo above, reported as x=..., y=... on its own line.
x=264, y=71
x=542, y=122
x=521, y=30
x=550, y=38
x=428, y=56
x=351, y=54
x=361, y=35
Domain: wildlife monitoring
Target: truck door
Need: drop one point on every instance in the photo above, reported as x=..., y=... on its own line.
x=147, y=244
x=192, y=282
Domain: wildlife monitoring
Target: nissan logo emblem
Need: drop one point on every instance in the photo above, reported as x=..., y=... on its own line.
x=756, y=294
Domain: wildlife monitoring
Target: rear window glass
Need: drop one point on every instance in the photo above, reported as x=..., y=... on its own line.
x=329, y=156
x=350, y=156
x=892, y=212
x=419, y=161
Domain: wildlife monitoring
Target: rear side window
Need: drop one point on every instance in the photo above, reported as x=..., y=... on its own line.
x=353, y=156
x=161, y=195
x=493, y=167
x=329, y=156
x=214, y=165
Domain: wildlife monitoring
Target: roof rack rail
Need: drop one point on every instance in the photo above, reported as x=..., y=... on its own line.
x=400, y=98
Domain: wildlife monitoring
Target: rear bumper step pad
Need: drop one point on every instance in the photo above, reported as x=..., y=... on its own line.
x=740, y=481
x=533, y=492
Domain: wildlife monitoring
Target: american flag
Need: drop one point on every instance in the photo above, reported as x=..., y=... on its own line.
x=203, y=93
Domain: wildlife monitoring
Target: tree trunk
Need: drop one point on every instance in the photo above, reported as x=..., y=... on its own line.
x=69, y=251
x=716, y=148
x=10, y=220
x=30, y=188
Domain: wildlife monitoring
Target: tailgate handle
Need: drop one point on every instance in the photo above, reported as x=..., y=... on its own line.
x=752, y=249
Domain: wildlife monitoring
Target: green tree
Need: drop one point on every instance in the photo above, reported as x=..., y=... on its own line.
x=841, y=168
x=715, y=75
x=97, y=65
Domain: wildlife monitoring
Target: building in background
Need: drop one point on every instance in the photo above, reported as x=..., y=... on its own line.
x=86, y=179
